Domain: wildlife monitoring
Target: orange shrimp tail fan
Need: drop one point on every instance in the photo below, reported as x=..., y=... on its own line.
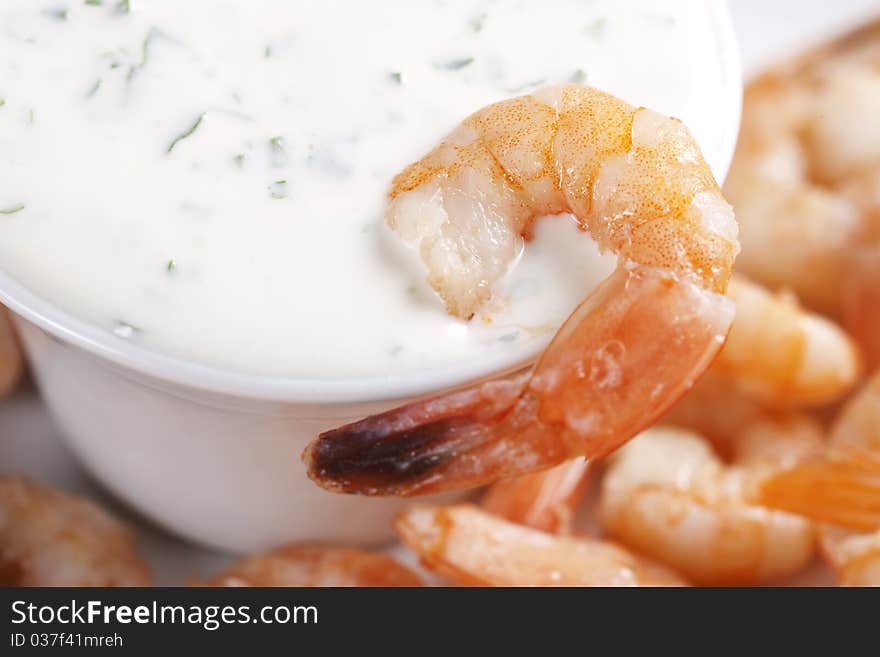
x=842, y=488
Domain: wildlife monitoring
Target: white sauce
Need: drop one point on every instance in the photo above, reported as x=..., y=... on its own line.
x=201, y=252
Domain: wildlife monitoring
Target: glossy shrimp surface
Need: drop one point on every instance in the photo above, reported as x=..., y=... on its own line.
x=854, y=556
x=667, y=495
x=11, y=360
x=316, y=566
x=49, y=538
x=473, y=548
x=546, y=500
x=638, y=183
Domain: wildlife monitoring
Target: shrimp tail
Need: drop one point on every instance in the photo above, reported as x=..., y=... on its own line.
x=587, y=395
x=842, y=488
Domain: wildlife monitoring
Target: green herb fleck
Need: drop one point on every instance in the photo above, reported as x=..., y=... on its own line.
x=597, y=28
x=31, y=117
x=13, y=209
x=94, y=3
x=95, y=87
x=267, y=52
x=396, y=77
x=186, y=133
x=454, y=64
x=278, y=152
x=145, y=53
x=123, y=6
x=2, y=102
x=477, y=24
x=239, y=159
x=58, y=14
x=509, y=337
x=278, y=189
x=578, y=77
x=171, y=266
x=527, y=86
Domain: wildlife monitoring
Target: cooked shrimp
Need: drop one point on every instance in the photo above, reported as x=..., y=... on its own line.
x=473, y=548
x=546, y=500
x=314, y=566
x=855, y=557
x=667, y=495
x=805, y=180
x=861, y=301
x=638, y=183
x=778, y=358
x=50, y=538
x=11, y=361
x=842, y=487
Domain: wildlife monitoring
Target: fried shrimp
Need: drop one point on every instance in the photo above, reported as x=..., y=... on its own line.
x=314, y=566
x=843, y=486
x=473, y=548
x=50, y=538
x=667, y=495
x=638, y=183
x=546, y=500
x=11, y=361
x=805, y=180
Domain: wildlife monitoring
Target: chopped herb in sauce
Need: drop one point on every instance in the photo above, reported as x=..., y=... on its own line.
x=278, y=151
x=597, y=28
x=95, y=88
x=145, y=53
x=578, y=77
x=267, y=52
x=123, y=6
x=240, y=159
x=478, y=23
x=454, y=64
x=278, y=189
x=94, y=3
x=57, y=14
x=171, y=266
x=396, y=77
x=13, y=209
x=31, y=117
x=2, y=102
x=527, y=86
x=186, y=133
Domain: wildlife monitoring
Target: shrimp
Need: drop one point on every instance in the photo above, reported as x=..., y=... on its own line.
x=474, y=548
x=778, y=358
x=861, y=301
x=667, y=495
x=11, y=361
x=854, y=556
x=805, y=180
x=314, y=566
x=546, y=500
x=50, y=538
x=638, y=183
x=843, y=485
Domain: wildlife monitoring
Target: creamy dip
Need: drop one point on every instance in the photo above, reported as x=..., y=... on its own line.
x=207, y=177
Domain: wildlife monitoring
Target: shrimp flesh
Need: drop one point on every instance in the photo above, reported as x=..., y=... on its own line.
x=50, y=538
x=805, y=180
x=314, y=566
x=11, y=361
x=854, y=556
x=668, y=496
x=473, y=548
x=546, y=500
x=638, y=183
x=842, y=486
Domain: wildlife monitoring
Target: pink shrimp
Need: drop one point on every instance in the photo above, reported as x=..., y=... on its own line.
x=637, y=182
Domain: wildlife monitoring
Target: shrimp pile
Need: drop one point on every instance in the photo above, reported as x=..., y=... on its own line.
x=638, y=183
x=11, y=360
x=313, y=566
x=49, y=538
x=805, y=182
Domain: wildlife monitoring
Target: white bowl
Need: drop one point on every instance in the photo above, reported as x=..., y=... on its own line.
x=214, y=455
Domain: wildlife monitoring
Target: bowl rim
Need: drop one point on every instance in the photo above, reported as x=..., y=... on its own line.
x=164, y=367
